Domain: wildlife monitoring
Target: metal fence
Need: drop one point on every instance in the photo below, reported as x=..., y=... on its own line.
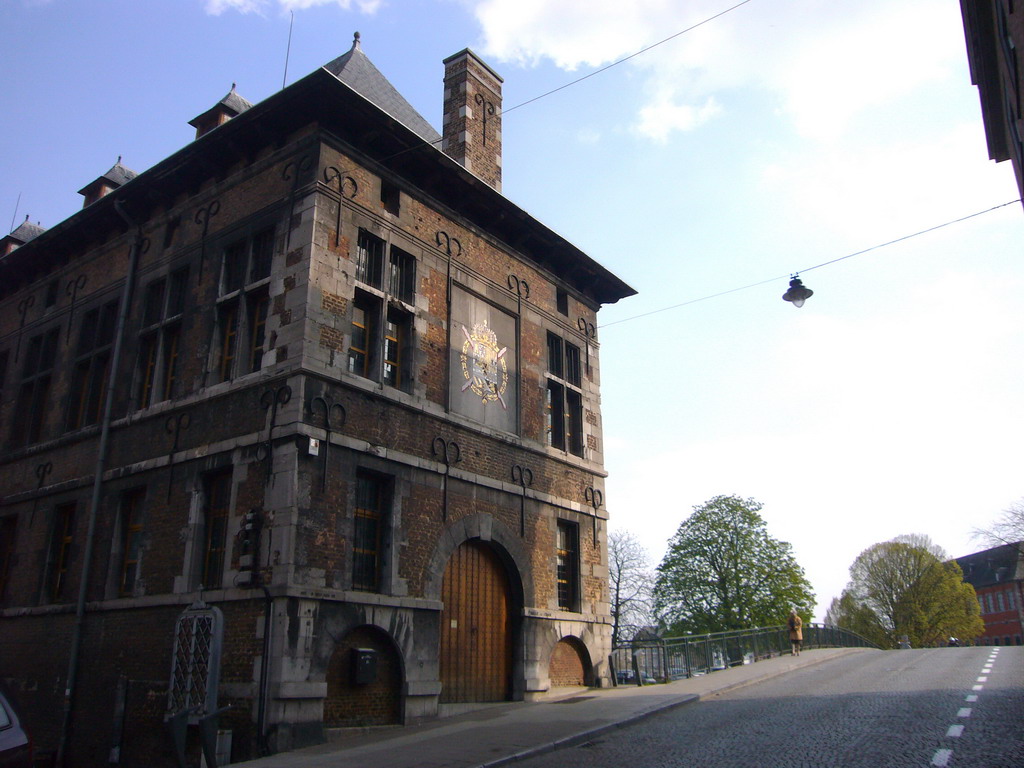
x=661, y=660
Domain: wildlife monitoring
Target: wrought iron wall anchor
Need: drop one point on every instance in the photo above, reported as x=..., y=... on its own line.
x=487, y=110
x=332, y=410
x=333, y=174
x=594, y=498
x=202, y=217
x=23, y=307
x=524, y=477
x=291, y=172
x=71, y=290
x=449, y=453
x=174, y=425
x=42, y=470
x=589, y=332
x=270, y=400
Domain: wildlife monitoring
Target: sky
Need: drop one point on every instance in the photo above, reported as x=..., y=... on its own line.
x=756, y=143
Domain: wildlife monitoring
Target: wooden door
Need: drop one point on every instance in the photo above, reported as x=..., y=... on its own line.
x=476, y=636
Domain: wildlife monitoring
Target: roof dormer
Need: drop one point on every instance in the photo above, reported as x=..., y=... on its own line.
x=24, y=232
x=117, y=176
x=230, y=106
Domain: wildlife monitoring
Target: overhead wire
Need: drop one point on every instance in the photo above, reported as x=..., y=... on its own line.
x=808, y=269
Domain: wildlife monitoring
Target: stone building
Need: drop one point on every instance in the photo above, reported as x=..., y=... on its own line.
x=304, y=420
x=997, y=575
x=995, y=33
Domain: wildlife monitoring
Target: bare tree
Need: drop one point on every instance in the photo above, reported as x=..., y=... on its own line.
x=630, y=582
x=1007, y=529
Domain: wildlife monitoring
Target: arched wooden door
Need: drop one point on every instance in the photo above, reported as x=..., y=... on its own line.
x=476, y=627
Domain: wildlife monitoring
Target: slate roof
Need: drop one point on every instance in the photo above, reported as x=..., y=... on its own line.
x=999, y=565
x=231, y=102
x=234, y=102
x=117, y=176
x=26, y=231
x=358, y=73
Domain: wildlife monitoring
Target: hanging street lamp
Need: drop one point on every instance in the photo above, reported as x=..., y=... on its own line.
x=797, y=292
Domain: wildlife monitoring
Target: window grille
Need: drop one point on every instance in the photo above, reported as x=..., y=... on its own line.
x=195, y=662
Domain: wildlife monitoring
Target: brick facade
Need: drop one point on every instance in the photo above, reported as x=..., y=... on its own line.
x=288, y=441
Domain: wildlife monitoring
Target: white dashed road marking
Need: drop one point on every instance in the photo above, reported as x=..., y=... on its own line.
x=971, y=698
x=955, y=731
x=964, y=712
x=942, y=757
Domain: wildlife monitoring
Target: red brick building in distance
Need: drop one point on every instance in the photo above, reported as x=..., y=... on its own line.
x=997, y=575
x=304, y=420
x=995, y=34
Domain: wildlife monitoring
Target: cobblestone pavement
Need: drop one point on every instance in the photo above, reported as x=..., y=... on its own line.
x=936, y=707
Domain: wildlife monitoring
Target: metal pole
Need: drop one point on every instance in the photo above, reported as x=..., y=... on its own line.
x=97, y=483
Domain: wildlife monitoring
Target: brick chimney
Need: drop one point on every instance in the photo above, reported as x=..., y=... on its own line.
x=472, y=116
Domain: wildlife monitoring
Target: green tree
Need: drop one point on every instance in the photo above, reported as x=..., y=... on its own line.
x=907, y=587
x=723, y=571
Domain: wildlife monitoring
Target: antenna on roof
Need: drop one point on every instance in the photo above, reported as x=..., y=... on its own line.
x=288, y=51
x=15, y=216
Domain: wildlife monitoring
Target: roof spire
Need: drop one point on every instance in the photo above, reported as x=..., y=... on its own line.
x=355, y=41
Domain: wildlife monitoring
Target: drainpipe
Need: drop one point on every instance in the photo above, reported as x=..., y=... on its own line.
x=97, y=484
x=261, y=717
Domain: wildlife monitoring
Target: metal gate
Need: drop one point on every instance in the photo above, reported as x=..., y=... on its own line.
x=476, y=637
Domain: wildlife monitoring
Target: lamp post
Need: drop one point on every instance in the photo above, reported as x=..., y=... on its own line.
x=797, y=293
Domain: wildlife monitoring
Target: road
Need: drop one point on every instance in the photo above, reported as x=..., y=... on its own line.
x=936, y=707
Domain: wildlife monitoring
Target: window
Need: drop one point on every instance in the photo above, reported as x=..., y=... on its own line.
x=389, y=197
x=170, y=229
x=34, y=392
x=403, y=275
x=244, y=305
x=50, y=298
x=564, y=401
x=368, y=532
x=60, y=551
x=216, y=509
x=394, y=340
x=8, y=530
x=160, y=338
x=1011, y=599
x=562, y=301
x=92, y=360
x=567, y=570
x=369, y=259
x=364, y=314
x=1000, y=605
x=380, y=341
x=131, y=538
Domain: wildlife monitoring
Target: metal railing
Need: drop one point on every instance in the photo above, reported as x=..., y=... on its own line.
x=661, y=660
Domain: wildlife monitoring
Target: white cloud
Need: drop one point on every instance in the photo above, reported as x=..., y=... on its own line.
x=661, y=117
x=824, y=63
x=217, y=7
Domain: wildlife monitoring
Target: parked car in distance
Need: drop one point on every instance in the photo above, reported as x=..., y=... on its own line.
x=15, y=742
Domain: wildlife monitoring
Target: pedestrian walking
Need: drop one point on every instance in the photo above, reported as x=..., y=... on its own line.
x=796, y=631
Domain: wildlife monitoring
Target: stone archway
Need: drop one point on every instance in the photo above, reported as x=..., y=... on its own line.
x=476, y=626
x=350, y=702
x=569, y=664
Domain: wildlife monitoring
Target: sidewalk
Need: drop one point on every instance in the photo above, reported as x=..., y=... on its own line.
x=502, y=733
